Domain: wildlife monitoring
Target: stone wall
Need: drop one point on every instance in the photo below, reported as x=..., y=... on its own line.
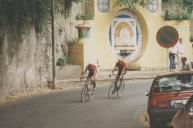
x=68, y=72
x=26, y=58
x=191, y=29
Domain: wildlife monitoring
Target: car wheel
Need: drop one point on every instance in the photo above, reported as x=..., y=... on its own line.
x=169, y=126
x=154, y=125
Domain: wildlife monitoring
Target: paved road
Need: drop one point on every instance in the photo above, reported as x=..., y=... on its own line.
x=64, y=110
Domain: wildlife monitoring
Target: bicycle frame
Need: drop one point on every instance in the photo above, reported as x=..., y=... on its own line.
x=120, y=78
x=87, y=90
x=117, y=86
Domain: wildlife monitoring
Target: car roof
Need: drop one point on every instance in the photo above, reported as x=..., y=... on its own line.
x=175, y=73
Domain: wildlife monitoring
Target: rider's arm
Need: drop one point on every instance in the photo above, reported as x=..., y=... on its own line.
x=95, y=71
x=84, y=71
x=114, y=69
x=125, y=69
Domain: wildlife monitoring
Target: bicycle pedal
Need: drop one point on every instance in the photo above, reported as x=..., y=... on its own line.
x=113, y=91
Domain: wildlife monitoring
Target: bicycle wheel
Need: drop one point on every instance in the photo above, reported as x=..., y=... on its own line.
x=112, y=92
x=85, y=93
x=91, y=93
x=121, y=88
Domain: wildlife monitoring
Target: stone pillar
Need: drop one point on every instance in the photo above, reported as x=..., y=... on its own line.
x=84, y=29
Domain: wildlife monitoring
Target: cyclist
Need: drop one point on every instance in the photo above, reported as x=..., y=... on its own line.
x=92, y=73
x=122, y=69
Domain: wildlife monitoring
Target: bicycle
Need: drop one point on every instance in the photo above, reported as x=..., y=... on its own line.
x=87, y=92
x=116, y=90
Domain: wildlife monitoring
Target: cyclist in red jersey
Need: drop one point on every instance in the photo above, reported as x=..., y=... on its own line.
x=92, y=73
x=122, y=69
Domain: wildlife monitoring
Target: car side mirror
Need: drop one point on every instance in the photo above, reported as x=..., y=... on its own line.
x=147, y=93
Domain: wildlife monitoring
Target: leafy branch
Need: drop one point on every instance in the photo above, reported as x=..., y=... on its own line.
x=23, y=12
x=131, y=3
x=68, y=5
x=178, y=10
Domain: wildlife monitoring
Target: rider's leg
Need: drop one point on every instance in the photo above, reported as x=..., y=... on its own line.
x=118, y=76
x=117, y=79
x=115, y=86
x=94, y=84
x=120, y=82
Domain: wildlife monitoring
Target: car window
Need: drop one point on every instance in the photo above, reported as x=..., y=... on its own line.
x=173, y=83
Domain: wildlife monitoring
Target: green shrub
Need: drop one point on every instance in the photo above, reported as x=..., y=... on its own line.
x=64, y=61
x=178, y=10
x=84, y=17
x=131, y=4
x=178, y=17
x=134, y=67
x=61, y=62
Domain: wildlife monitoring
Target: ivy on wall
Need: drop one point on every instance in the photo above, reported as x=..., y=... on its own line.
x=175, y=16
x=87, y=8
x=68, y=5
x=178, y=9
x=131, y=3
x=183, y=12
x=1, y=43
x=186, y=4
x=22, y=12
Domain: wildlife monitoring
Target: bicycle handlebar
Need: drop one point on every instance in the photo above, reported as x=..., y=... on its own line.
x=82, y=77
x=110, y=75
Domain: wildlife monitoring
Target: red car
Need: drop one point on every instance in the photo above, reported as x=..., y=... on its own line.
x=168, y=92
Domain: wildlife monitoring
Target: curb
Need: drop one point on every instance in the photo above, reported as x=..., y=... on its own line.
x=106, y=79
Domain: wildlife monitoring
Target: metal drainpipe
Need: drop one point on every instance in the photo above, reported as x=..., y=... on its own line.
x=53, y=44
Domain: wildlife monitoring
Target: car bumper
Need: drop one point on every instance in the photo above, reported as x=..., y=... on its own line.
x=161, y=116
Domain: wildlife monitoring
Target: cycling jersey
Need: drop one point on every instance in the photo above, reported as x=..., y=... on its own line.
x=91, y=70
x=121, y=65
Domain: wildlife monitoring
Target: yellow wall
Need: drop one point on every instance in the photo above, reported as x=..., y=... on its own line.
x=97, y=46
x=76, y=53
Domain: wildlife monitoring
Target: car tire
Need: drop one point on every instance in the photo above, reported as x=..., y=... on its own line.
x=154, y=125
x=169, y=126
